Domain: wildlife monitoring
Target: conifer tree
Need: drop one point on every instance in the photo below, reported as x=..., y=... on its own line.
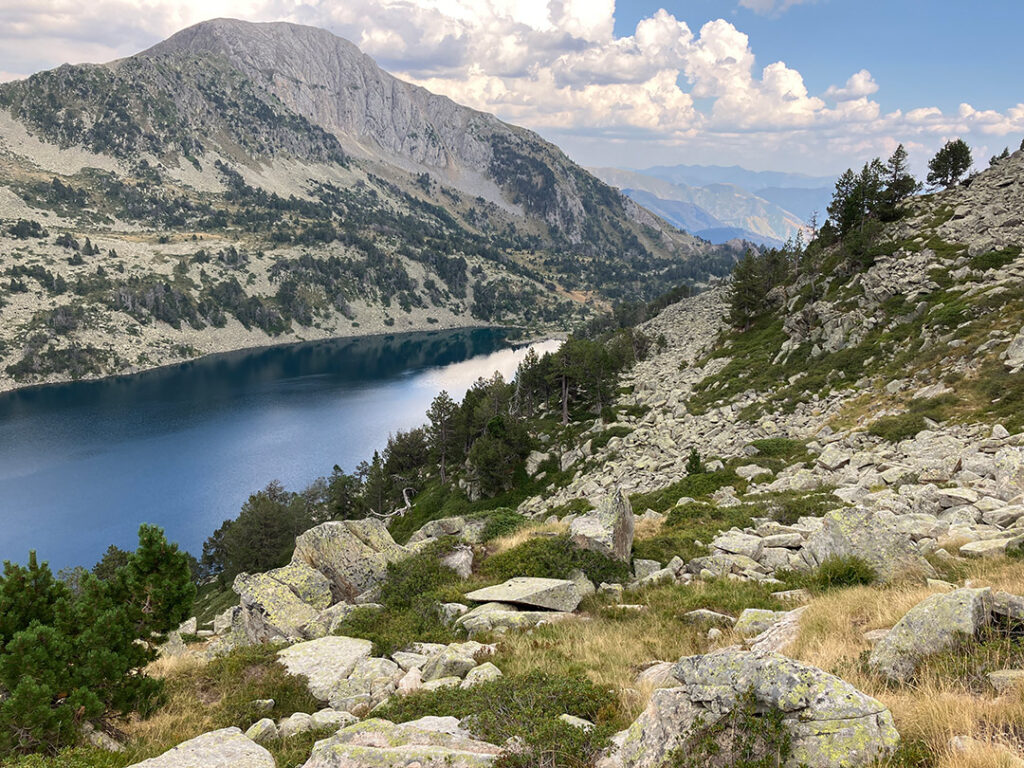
x=949, y=164
x=441, y=430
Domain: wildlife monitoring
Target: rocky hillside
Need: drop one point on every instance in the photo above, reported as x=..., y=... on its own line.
x=242, y=184
x=794, y=545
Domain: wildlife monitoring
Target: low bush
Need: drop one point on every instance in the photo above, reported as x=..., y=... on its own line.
x=780, y=447
x=524, y=707
x=553, y=557
x=694, y=486
x=411, y=595
x=896, y=428
x=837, y=572
x=500, y=522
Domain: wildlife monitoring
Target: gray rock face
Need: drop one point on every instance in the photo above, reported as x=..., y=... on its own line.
x=431, y=742
x=352, y=554
x=872, y=535
x=370, y=683
x=938, y=623
x=553, y=594
x=326, y=662
x=279, y=604
x=226, y=748
x=831, y=723
x=607, y=529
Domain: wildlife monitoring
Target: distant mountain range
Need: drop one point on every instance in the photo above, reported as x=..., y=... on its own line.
x=719, y=203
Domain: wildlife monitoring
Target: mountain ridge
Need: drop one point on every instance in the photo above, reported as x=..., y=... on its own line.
x=252, y=183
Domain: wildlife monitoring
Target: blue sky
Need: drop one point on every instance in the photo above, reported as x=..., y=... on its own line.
x=812, y=86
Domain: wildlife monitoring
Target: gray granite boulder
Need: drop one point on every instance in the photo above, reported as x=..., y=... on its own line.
x=352, y=554
x=226, y=748
x=431, y=742
x=831, y=723
x=552, y=594
x=872, y=535
x=279, y=604
x=326, y=662
x=607, y=529
x=938, y=623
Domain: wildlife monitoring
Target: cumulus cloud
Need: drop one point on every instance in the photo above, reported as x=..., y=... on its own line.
x=859, y=85
x=553, y=65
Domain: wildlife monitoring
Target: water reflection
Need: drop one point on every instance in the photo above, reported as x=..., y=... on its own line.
x=81, y=465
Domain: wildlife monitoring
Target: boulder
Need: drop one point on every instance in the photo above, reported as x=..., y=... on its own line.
x=326, y=662
x=226, y=748
x=1009, y=466
x=481, y=674
x=708, y=618
x=739, y=543
x=938, y=623
x=501, y=621
x=553, y=594
x=754, y=621
x=371, y=682
x=431, y=742
x=352, y=554
x=451, y=662
x=460, y=560
x=294, y=724
x=332, y=718
x=262, y=731
x=271, y=608
x=831, y=723
x=607, y=529
x=872, y=535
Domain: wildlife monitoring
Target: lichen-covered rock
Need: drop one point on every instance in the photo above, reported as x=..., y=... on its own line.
x=325, y=662
x=501, y=621
x=1009, y=467
x=831, y=723
x=938, y=623
x=553, y=594
x=481, y=673
x=872, y=535
x=607, y=529
x=450, y=663
x=271, y=610
x=226, y=748
x=432, y=742
x=754, y=621
x=352, y=554
x=329, y=620
x=294, y=724
x=262, y=731
x=371, y=682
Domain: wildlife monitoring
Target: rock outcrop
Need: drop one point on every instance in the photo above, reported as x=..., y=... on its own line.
x=607, y=530
x=831, y=724
x=226, y=748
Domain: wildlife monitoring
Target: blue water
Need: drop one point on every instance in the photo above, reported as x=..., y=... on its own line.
x=83, y=464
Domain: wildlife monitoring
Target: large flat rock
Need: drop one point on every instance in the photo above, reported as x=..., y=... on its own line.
x=326, y=663
x=553, y=594
x=226, y=748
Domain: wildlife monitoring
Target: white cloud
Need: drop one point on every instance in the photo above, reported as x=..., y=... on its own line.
x=859, y=85
x=555, y=66
x=767, y=7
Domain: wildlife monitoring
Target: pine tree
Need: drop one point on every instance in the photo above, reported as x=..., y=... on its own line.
x=899, y=183
x=949, y=164
x=747, y=292
x=441, y=430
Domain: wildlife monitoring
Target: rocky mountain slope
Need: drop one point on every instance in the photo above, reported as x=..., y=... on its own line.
x=242, y=184
x=836, y=582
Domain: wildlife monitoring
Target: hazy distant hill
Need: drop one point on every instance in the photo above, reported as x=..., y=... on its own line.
x=718, y=204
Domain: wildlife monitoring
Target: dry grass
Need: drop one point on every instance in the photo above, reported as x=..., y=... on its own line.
x=610, y=650
x=514, y=539
x=647, y=529
x=935, y=708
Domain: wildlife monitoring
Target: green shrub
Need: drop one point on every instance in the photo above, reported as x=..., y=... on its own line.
x=524, y=707
x=780, y=447
x=835, y=572
x=415, y=577
x=601, y=440
x=745, y=737
x=574, y=507
x=722, y=595
x=553, y=557
x=896, y=428
x=995, y=259
x=77, y=757
x=68, y=657
x=500, y=522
